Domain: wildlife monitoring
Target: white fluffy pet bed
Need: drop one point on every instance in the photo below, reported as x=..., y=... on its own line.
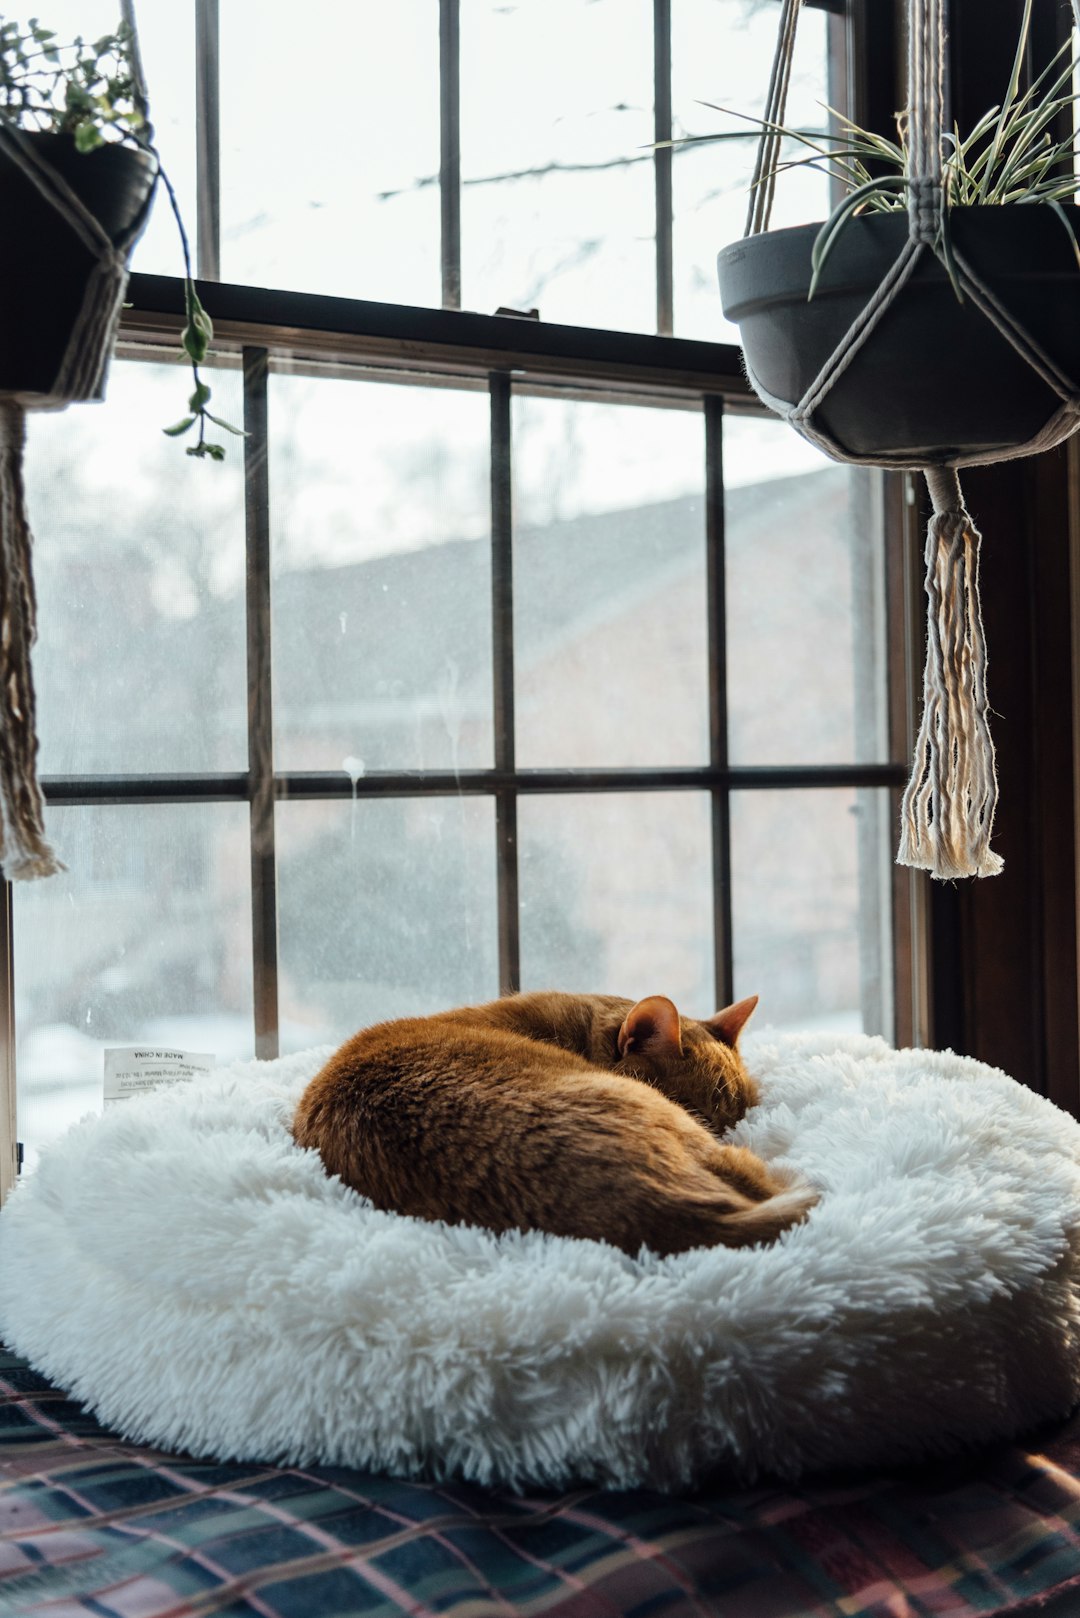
x=194, y=1277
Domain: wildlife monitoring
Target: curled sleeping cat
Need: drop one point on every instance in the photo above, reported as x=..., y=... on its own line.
x=581, y=1115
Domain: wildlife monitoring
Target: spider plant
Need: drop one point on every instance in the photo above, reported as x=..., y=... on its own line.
x=1011, y=155
x=90, y=90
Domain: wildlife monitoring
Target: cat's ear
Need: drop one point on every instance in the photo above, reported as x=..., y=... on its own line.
x=728, y=1024
x=652, y=1028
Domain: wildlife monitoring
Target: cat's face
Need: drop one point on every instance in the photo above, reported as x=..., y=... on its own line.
x=694, y=1063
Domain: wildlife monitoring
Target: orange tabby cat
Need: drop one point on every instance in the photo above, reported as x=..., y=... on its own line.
x=581, y=1115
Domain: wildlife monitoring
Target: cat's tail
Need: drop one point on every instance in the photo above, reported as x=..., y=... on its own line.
x=761, y=1222
x=724, y=1216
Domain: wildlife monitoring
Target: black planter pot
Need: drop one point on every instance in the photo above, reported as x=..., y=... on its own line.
x=934, y=381
x=44, y=266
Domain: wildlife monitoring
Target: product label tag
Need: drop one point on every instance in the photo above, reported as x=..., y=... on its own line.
x=135, y=1070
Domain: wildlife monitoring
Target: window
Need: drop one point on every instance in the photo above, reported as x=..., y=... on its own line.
x=479, y=154
x=501, y=653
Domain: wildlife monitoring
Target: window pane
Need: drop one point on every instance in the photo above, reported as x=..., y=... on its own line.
x=147, y=936
x=721, y=53
x=805, y=602
x=380, y=511
x=386, y=908
x=330, y=148
x=139, y=563
x=167, y=46
x=616, y=895
x=557, y=179
x=810, y=880
x=610, y=634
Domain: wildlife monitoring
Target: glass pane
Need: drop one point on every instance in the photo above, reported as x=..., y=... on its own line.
x=147, y=936
x=139, y=562
x=810, y=883
x=386, y=908
x=380, y=512
x=805, y=602
x=721, y=53
x=167, y=44
x=616, y=896
x=557, y=207
x=339, y=192
x=609, y=582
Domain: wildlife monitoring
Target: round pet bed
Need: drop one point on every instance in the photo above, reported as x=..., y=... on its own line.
x=183, y=1268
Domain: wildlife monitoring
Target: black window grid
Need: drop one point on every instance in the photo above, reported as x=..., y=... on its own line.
x=208, y=143
x=566, y=361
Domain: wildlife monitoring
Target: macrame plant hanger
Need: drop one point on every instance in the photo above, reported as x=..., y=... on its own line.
x=948, y=807
x=24, y=850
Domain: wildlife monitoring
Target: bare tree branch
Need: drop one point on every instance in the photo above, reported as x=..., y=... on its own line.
x=538, y=173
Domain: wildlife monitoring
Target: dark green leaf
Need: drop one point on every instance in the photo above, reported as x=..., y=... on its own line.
x=832, y=229
x=228, y=426
x=194, y=343
x=180, y=427
x=199, y=397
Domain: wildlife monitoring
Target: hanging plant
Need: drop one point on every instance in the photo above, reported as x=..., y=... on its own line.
x=929, y=323
x=78, y=169
x=1010, y=157
x=59, y=102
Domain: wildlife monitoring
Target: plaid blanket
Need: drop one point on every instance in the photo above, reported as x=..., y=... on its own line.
x=92, y=1525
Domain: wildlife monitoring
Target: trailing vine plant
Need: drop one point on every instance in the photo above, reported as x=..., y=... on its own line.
x=90, y=90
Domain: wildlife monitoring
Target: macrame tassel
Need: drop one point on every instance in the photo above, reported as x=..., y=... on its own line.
x=24, y=852
x=948, y=809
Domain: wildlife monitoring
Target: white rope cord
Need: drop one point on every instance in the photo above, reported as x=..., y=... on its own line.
x=858, y=332
x=24, y=850
x=926, y=117
x=763, y=181
x=1061, y=426
x=947, y=814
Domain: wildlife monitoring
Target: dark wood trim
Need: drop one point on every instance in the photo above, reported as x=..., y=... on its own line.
x=260, y=714
x=66, y=790
x=716, y=608
x=906, y=635
x=1004, y=950
x=1054, y=970
x=662, y=167
x=343, y=328
x=502, y=655
x=450, y=150
x=875, y=64
x=9, y=1148
x=208, y=139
